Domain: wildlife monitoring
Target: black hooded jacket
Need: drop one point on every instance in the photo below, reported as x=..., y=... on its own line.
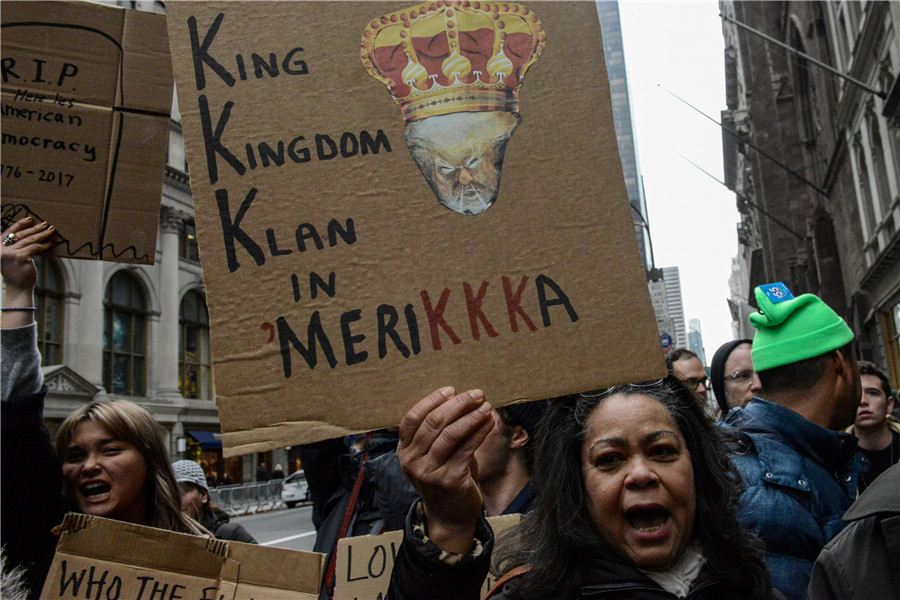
x=384, y=498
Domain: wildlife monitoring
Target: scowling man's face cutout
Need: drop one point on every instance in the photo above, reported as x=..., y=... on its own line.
x=461, y=156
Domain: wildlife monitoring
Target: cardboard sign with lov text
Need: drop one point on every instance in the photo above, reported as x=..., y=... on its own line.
x=364, y=563
x=86, y=95
x=359, y=246
x=102, y=558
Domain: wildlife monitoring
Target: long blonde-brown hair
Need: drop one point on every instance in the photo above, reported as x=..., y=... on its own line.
x=133, y=424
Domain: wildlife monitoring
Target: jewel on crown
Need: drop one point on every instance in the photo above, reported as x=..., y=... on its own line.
x=446, y=56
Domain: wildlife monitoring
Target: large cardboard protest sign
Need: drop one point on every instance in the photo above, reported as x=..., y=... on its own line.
x=101, y=558
x=114, y=560
x=358, y=247
x=364, y=563
x=86, y=95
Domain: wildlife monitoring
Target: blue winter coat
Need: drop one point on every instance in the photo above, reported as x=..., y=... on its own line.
x=799, y=479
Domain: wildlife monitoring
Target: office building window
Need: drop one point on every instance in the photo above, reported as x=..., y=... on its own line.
x=124, y=336
x=48, y=298
x=195, y=373
x=188, y=246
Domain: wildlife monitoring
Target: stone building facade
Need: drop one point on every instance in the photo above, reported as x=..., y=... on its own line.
x=814, y=159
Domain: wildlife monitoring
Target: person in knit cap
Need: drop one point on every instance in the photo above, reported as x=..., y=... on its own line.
x=195, y=503
x=732, y=377
x=798, y=467
x=505, y=459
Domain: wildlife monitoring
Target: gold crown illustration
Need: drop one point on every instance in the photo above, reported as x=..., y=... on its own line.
x=448, y=56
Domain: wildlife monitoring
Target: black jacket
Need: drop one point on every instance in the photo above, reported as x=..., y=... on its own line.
x=419, y=575
x=218, y=523
x=384, y=498
x=863, y=561
x=31, y=489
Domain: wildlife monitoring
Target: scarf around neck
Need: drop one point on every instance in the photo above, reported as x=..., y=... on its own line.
x=678, y=579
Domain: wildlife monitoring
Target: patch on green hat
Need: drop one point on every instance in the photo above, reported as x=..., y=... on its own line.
x=793, y=329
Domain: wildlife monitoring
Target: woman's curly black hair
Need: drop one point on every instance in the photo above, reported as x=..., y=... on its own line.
x=558, y=539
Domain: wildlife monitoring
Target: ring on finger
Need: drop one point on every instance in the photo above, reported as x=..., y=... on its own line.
x=10, y=239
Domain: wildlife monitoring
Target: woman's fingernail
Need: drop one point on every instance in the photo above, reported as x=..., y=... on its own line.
x=51, y=228
x=27, y=219
x=485, y=407
x=44, y=224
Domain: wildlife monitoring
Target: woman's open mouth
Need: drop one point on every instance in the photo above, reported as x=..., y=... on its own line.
x=647, y=520
x=96, y=492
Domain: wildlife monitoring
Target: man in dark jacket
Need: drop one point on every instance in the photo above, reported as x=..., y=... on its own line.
x=195, y=503
x=354, y=493
x=799, y=470
x=863, y=561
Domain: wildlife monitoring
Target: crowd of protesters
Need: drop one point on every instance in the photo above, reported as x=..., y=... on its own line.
x=788, y=490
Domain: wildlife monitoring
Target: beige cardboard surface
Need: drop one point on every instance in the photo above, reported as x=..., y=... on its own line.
x=274, y=573
x=86, y=95
x=340, y=289
x=102, y=558
x=364, y=563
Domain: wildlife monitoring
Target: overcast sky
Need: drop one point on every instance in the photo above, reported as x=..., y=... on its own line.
x=678, y=46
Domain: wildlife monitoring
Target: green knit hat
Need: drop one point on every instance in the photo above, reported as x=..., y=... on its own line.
x=793, y=329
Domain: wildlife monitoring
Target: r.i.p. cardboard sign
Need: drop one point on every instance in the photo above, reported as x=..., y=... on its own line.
x=393, y=197
x=86, y=94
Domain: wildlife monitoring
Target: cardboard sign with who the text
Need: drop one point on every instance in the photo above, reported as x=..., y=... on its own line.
x=359, y=245
x=364, y=563
x=114, y=560
x=86, y=95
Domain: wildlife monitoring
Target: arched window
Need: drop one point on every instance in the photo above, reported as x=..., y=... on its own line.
x=193, y=348
x=124, y=336
x=48, y=298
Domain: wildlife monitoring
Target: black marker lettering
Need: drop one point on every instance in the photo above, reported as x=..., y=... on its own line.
x=316, y=282
x=347, y=233
x=352, y=356
x=294, y=68
x=200, y=52
x=287, y=338
x=231, y=230
x=68, y=70
x=543, y=281
x=6, y=67
x=388, y=328
x=212, y=140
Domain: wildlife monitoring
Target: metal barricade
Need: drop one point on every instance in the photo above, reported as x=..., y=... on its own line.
x=248, y=498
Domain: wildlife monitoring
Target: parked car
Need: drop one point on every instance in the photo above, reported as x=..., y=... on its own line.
x=295, y=489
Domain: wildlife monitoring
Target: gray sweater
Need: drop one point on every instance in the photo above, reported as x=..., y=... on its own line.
x=20, y=363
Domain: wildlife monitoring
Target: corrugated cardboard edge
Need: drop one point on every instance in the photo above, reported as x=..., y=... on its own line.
x=126, y=543
x=281, y=435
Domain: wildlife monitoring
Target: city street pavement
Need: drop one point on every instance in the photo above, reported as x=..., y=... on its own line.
x=285, y=528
